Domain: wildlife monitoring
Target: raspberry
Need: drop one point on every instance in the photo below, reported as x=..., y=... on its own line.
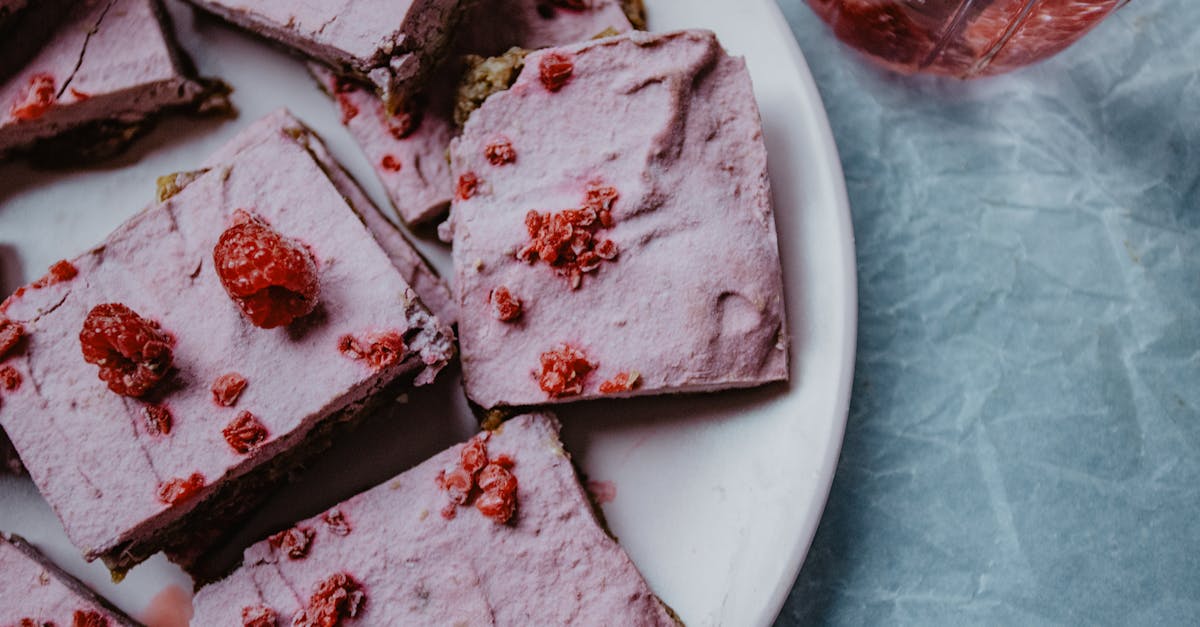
x=88, y=618
x=273, y=279
x=294, y=542
x=500, y=152
x=474, y=456
x=337, y=523
x=245, y=433
x=227, y=388
x=563, y=371
x=35, y=99
x=158, y=419
x=259, y=616
x=497, y=478
x=60, y=272
x=337, y=598
x=178, y=490
x=499, y=507
x=386, y=350
x=555, y=69
x=390, y=163
x=623, y=382
x=567, y=240
x=468, y=184
x=10, y=378
x=507, y=307
x=458, y=483
x=132, y=352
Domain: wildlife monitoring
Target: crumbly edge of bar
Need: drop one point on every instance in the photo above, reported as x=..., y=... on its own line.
x=66, y=578
x=484, y=77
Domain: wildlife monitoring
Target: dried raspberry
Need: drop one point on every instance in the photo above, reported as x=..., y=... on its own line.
x=468, y=184
x=350, y=347
x=88, y=618
x=504, y=461
x=566, y=240
x=387, y=349
x=337, y=598
x=259, y=616
x=245, y=433
x=60, y=272
x=337, y=523
x=227, y=388
x=294, y=542
x=497, y=478
x=178, y=490
x=555, y=69
x=390, y=163
x=405, y=122
x=29, y=622
x=606, y=250
x=563, y=371
x=273, y=279
x=500, y=152
x=35, y=99
x=132, y=352
x=458, y=484
x=601, y=197
x=158, y=419
x=507, y=307
x=341, y=89
x=10, y=378
x=623, y=382
x=474, y=456
x=499, y=507
x=79, y=95
x=449, y=511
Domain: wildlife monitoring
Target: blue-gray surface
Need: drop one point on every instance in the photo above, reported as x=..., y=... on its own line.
x=1023, y=445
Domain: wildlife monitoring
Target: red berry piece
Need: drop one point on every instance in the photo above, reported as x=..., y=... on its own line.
x=405, y=122
x=336, y=521
x=179, y=490
x=567, y=240
x=474, y=456
x=468, y=184
x=158, y=419
x=458, y=484
x=341, y=91
x=10, y=378
x=29, y=622
x=336, y=599
x=35, y=99
x=563, y=371
x=555, y=69
x=60, y=272
x=88, y=618
x=351, y=347
x=294, y=542
x=132, y=352
x=259, y=616
x=623, y=382
x=10, y=335
x=500, y=152
x=245, y=433
x=497, y=478
x=601, y=197
x=499, y=498
x=79, y=95
x=272, y=278
x=387, y=349
x=507, y=307
x=227, y=388
x=390, y=163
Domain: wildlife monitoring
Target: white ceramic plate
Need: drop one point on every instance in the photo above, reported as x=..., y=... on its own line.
x=717, y=496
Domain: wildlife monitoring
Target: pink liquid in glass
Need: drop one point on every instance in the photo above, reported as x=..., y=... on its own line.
x=964, y=38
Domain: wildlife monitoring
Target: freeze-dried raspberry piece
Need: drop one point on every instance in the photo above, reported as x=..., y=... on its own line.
x=178, y=490
x=336, y=521
x=406, y=121
x=88, y=618
x=622, y=382
x=227, y=388
x=61, y=271
x=10, y=335
x=563, y=371
x=158, y=419
x=468, y=184
x=568, y=240
x=555, y=69
x=497, y=478
x=506, y=306
x=390, y=163
x=474, y=456
x=132, y=352
x=294, y=542
x=35, y=99
x=259, y=616
x=499, y=498
x=337, y=598
x=272, y=278
x=500, y=152
x=245, y=433
x=387, y=349
x=341, y=89
x=10, y=378
x=80, y=96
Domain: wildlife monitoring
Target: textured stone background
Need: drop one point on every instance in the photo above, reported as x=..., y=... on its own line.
x=1023, y=445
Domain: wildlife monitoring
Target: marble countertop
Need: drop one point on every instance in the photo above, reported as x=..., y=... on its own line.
x=1023, y=445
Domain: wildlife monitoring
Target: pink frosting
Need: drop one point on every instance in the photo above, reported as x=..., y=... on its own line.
x=551, y=565
x=89, y=450
x=413, y=168
x=31, y=587
x=694, y=301
x=110, y=60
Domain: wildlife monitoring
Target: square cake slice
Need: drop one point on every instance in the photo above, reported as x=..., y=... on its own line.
x=390, y=44
x=104, y=73
x=628, y=245
x=496, y=531
x=170, y=377
x=35, y=592
x=408, y=148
